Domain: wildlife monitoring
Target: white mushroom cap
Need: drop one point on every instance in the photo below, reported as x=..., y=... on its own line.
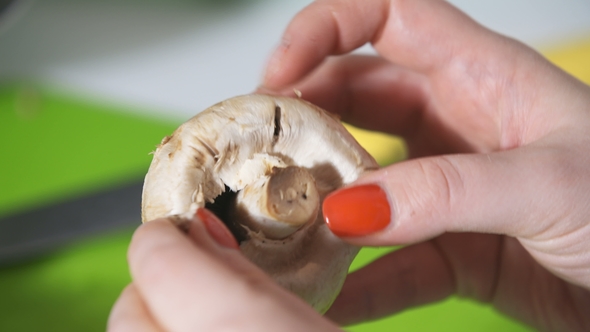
x=281, y=156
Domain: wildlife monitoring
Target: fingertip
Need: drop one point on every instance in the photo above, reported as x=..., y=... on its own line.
x=141, y=237
x=156, y=246
x=129, y=313
x=271, y=78
x=321, y=29
x=308, y=39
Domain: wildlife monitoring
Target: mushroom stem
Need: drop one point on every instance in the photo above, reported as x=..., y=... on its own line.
x=280, y=203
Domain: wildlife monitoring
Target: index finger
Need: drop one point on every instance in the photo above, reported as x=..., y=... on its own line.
x=421, y=35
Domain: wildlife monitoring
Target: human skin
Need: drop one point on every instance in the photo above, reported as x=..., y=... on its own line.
x=192, y=277
x=498, y=143
x=493, y=203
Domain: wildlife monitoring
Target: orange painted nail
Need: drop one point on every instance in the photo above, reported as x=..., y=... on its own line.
x=357, y=211
x=217, y=229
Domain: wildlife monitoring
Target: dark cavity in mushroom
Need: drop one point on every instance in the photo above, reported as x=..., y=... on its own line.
x=224, y=207
x=277, y=127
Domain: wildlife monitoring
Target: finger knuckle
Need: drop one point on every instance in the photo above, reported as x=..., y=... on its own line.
x=444, y=181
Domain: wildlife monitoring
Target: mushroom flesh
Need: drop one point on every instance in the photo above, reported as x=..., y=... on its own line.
x=264, y=164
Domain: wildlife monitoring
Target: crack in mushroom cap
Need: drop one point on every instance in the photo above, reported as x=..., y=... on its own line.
x=238, y=142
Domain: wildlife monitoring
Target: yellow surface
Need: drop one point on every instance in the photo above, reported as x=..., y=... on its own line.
x=386, y=149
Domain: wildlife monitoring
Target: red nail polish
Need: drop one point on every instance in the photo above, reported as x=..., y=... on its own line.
x=217, y=229
x=357, y=211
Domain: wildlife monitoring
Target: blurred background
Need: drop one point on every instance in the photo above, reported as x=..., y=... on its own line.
x=87, y=90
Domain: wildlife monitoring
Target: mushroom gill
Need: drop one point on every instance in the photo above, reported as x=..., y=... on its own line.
x=264, y=164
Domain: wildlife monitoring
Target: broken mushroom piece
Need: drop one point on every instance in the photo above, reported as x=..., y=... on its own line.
x=264, y=164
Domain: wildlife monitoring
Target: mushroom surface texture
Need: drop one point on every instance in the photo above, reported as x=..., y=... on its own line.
x=263, y=164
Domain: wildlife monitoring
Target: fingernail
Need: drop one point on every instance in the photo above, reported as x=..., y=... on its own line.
x=357, y=211
x=216, y=228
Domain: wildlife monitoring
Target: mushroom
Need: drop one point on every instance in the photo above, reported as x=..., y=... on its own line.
x=264, y=164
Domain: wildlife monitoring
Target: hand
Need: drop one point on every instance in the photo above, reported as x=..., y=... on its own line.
x=497, y=198
x=200, y=282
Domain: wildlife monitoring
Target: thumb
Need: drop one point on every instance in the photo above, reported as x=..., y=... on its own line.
x=515, y=192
